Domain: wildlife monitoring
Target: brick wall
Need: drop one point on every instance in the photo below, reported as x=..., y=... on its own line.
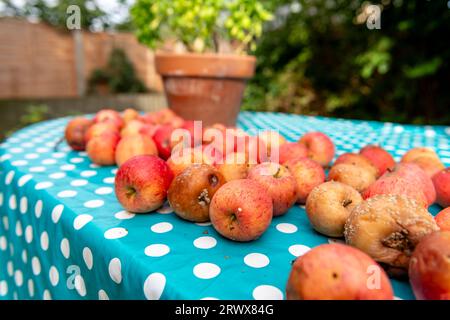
x=38, y=61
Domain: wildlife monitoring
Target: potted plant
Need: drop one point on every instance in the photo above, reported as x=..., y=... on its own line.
x=206, y=70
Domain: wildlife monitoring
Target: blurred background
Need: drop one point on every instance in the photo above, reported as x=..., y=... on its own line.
x=316, y=57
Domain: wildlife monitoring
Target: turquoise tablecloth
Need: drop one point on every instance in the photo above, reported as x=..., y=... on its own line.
x=63, y=235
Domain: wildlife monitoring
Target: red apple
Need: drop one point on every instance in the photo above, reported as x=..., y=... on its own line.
x=443, y=219
x=417, y=177
x=109, y=115
x=429, y=268
x=254, y=148
x=320, y=147
x=337, y=272
x=273, y=141
x=442, y=184
x=379, y=157
x=142, y=183
x=99, y=129
x=396, y=185
x=75, y=132
x=102, y=149
x=162, y=139
x=134, y=145
x=308, y=174
x=278, y=182
x=292, y=150
x=241, y=210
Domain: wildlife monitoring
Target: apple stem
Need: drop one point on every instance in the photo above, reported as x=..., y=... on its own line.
x=346, y=203
x=55, y=148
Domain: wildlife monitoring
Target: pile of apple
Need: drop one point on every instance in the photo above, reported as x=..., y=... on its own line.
x=377, y=205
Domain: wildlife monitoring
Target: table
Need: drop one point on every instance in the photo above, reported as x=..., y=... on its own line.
x=63, y=235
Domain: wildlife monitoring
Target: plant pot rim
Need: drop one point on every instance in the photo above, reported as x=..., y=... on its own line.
x=206, y=65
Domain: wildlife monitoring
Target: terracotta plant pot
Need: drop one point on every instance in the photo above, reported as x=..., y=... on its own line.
x=207, y=87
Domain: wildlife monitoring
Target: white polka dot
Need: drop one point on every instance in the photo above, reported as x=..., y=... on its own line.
x=13, y=202
x=54, y=276
x=56, y=212
x=203, y=224
x=124, y=215
x=102, y=295
x=82, y=154
x=42, y=150
x=24, y=256
x=76, y=160
x=3, y=288
x=57, y=175
x=286, y=228
x=18, y=278
x=31, y=288
x=15, y=296
x=94, y=166
x=36, y=266
x=166, y=209
x=81, y=220
x=430, y=133
x=256, y=260
x=298, y=250
x=1, y=199
x=48, y=161
x=157, y=250
x=114, y=171
x=58, y=155
x=87, y=257
x=206, y=270
x=43, y=185
x=67, y=194
x=24, y=179
x=65, y=248
x=154, y=286
x=94, y=203
x=3, y=243
x=31, y=156
x=80, y=285
x=205, y=242
x=209, y=298
x=16, y=150
x=397, y=298
x=104, y=190
x=162, y=227
x=78, y=183
x=266, y=292
x=38, y=208
x=27, y=145
x=23, y=205
x=47, y=295
x=115, y=233
x=19, y=163
x=5, y=157
x=19, y=230
x=44, y=241
x=10, y=268
x=67, y=167
x=9, y=177
x=5, y=223
x=37, y=169
x=115, y=270
x=109, y=180
x=29, y=234
x=88, y=173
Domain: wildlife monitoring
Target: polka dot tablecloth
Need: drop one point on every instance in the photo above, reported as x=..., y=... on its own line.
x=63, y=235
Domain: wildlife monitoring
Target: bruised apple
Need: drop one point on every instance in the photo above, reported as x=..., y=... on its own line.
x=191, y=192
x=75, y=132
x=337, y=272
x=241, y=210
x=234, y=167
x=429, y=268
x=388, y=228
x=329, y=205
x=359, y=177
x=142, y=183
